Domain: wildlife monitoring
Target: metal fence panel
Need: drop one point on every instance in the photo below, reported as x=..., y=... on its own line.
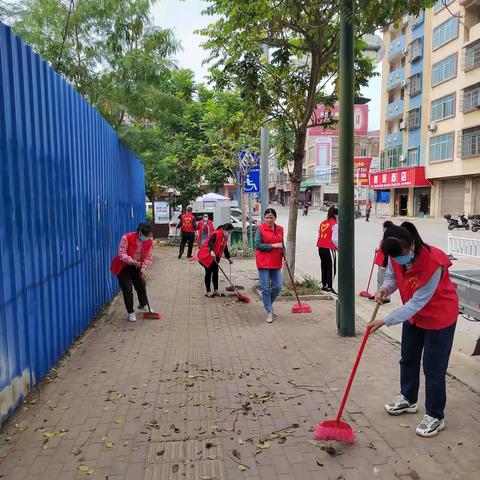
x=68, y=190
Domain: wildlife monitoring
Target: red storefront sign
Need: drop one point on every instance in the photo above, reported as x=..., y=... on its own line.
x=361, y=170
x=407, y=177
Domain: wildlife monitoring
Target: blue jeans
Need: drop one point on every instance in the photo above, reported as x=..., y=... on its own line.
x=436, y=346
x=270, y=286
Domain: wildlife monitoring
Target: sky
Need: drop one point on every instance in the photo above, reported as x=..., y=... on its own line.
x=183, y=17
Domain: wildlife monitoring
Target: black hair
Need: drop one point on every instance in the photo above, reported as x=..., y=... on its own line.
x=332, y=213
x=395, y=240
x=228, y=227
x=387, y=224
x=145, y=228
x=272, y=211
x=189, y=209
x=419, y=243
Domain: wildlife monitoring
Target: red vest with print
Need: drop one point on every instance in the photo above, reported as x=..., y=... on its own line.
x=187, y=223
x=325, y=234
x=380, y=257
x=117, y=265
x=442, y=310
x=221, y=242
x=273, y=258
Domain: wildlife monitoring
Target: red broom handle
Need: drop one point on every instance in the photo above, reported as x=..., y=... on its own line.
x=292, y=280
x=371, y=270
x=355, y=366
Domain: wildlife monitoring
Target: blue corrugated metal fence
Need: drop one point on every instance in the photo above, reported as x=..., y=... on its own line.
x=68, y=190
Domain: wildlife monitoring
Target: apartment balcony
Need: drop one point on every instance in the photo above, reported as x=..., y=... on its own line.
x=396, y=78
x=397, y=46
x=394, y=139
x=394, y=110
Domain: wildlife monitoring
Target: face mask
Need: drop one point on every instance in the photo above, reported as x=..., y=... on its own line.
x=403, y=259
x=142, y=237
x=205, y=219
x=226, y=234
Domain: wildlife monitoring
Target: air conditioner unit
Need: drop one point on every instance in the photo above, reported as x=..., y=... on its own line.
x=401, y=158
x=404, y=83
x=405, y=51
x=432, y=127
x=405, y=20
x=402, y=125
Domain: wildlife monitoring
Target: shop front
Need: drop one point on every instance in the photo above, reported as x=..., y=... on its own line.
x=410, y=191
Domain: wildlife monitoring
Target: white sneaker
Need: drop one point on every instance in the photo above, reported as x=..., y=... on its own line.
x=269, y=318
x=400, y=405
x=132, y=317
x=429, y=426
x=142, y=309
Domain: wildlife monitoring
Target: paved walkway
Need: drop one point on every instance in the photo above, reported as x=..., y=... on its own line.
x=213, y=392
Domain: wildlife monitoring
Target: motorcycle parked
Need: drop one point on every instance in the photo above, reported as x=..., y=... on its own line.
x=454, y=223
x=475, y=221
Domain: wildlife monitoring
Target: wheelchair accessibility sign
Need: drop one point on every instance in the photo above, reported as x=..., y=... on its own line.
x=252, y=182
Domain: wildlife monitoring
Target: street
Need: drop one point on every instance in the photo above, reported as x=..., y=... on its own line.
x=367, y=237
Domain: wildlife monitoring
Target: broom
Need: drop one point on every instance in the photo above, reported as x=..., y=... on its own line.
x=238, y=287
x=366, y=293
x=149, y=315
x=301, y=307
x=336, y=429
x=242, y=298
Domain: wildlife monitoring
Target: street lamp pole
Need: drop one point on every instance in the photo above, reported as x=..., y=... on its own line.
x=264, y=150
x=346, y=258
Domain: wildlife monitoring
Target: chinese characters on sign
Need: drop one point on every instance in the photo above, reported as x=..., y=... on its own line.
x=361, y=170
x=409, y=177
x=323, y=160
x=161, y=212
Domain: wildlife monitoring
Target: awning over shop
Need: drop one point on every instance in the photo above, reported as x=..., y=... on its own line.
x=308, y=183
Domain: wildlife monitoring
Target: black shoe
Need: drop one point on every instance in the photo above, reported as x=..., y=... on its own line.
x=332, y=291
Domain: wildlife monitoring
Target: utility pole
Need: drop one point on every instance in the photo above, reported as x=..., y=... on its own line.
x=346, y=237
x=264, y=154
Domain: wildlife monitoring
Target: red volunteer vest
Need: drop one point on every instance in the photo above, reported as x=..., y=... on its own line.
x=204, y=256
x=117, y=265
x=380, y=257
x=325, y=234
x=187, y=223
x=442, y=310
x=273, y=258
x=205, y=227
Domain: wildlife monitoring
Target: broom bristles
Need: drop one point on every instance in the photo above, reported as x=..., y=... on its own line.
x=333, y=430
x=243, y=298
x=301, y=308
x=151, y=316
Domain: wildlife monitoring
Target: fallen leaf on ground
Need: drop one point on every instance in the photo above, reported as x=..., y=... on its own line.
x=212, y=457
x=242, y=468
x=376, y=471
x=109, y=444
x=404, y=425
x=119, y=421
x=175, y=468
x=240, y=441
x=49, y=434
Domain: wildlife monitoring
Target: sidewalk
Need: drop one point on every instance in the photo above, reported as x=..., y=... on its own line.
x=213, y=392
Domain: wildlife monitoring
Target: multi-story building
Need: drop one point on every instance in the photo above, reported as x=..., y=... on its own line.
x=430, y=128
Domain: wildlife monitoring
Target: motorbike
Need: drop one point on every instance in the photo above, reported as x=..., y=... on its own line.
x=455, y=223
x=475, y=222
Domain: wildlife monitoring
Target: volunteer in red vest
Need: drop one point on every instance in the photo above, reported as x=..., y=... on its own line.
x=269, y=256
x=210, y=253
x=187, y=226
x=204, y=229
x=327, y=244
x=428, y=317
x=133, y=258
x=381, y=261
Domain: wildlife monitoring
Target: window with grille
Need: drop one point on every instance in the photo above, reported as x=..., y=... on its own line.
x=414, y=119
x=471, y=142
x=472, y=56
x=444, y=70
x=443, y=108
x=441, y=4
x=441, y=148
x=415, y=50
x=391, y=158
x=445, y=32
x=412, y=157
x=415, y=85
x=471, y=98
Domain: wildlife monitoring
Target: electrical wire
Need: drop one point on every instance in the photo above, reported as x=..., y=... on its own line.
x=64, y=37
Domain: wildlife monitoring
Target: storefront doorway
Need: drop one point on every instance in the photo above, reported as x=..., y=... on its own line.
x=401, y=202
x=422, y=202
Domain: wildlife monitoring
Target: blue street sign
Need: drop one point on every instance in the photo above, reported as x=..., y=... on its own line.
x=249, y=159
x=252, y=182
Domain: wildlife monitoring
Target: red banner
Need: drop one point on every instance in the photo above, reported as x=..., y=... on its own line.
x=361, y=170
x=407, y=177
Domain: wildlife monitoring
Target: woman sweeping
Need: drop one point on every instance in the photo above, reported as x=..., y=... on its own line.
x=269, y=256
x=129, y=265
x=210, y=253
x=428, y=316
x=327, y=244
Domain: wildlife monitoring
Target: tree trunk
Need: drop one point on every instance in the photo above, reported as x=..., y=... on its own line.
x=296, y=180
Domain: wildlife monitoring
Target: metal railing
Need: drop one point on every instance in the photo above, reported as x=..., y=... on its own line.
x=463, y=247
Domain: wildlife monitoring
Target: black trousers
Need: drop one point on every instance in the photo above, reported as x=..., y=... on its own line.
x=367, y=214
x=186, y=238
x=211, y=274
x=328, y=262
x=128, y=276
x=436, y=346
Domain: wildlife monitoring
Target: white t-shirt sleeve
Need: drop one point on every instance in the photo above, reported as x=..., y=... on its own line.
x=335, y=235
